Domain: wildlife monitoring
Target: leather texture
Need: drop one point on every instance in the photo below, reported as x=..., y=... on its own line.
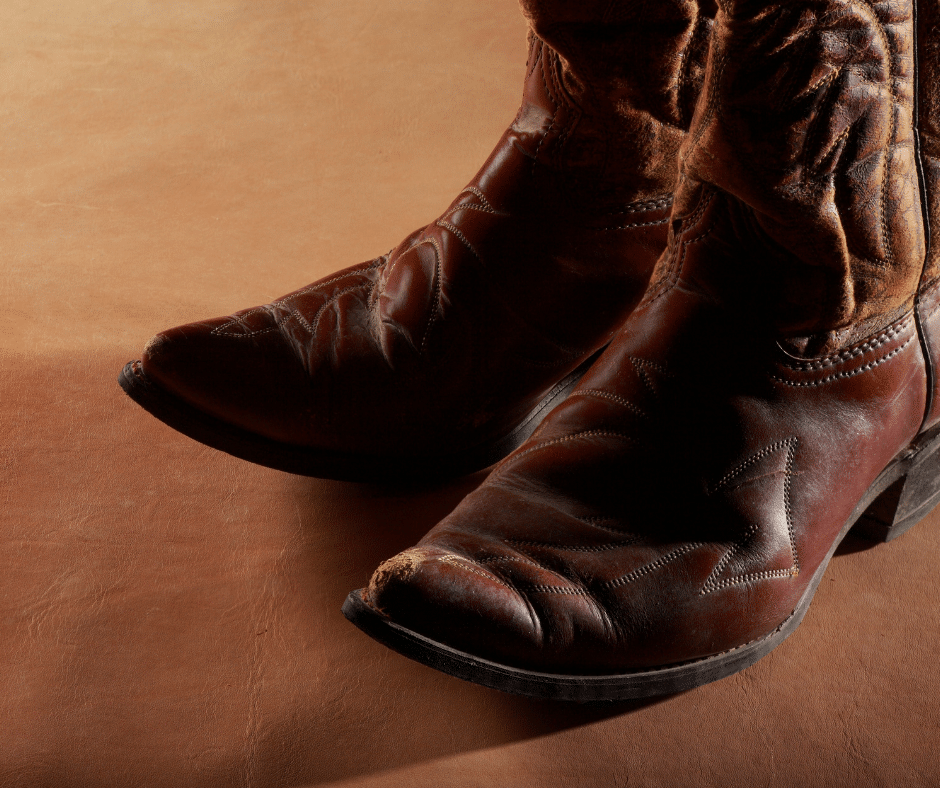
x=451, y=339
x=928, y=51
x=686, y=496
x=169, y=615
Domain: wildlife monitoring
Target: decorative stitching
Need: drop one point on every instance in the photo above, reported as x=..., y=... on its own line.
x=636, y=224
x=852, y=352
x=572, y=590
x=523, y=559
x=318, y=285
x=822, y=83
x=652, y=567
x=463, y=238
x=644, y=205
x=675, y=267
x=479, y=193
x=438, y=276
x=597, y=523
x=711, y=584
x=787, y=487
x=835, y=143
x=709, y=109
x=622, y=401
x=510, y=559
x=565, y=100
x=467, y=566
x=885, y=40
x=551, y=125
x=747, y=463
x=469, y=206
x=220, y=331
x=312, y=327
x=639, y=363
x=573, y=548
x=513, y=458
x=486, y=207
x=840, y=375
x=767, y=575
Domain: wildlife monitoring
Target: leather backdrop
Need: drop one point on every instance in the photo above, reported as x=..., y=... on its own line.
x=169, y=616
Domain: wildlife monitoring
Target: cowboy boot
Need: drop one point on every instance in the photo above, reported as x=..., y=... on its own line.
x=668, y=524
x=442, y=356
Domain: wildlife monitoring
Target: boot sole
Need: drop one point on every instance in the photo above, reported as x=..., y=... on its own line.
x=325, y=464
x=902, y=495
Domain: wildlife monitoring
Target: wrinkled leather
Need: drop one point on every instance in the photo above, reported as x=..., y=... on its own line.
x=170, y=616
x=928, y=113
x=928, y=82
x=808, y=120
x=632, y=125
x=452, y=338
x=681, y=501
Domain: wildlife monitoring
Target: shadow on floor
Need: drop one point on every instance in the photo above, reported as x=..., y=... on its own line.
x=405, y=712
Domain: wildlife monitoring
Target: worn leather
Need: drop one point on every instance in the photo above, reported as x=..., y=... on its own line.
x=928, y=113
x=928, y=82
x=631, y=125
x=808, y=121
x=169, y=615
x=681, y=501
x=453, y=337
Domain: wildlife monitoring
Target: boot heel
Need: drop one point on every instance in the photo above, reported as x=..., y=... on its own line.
x=909, y=499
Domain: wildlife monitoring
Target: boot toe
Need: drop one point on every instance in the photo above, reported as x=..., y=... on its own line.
x=238, y=370
x=455, y=601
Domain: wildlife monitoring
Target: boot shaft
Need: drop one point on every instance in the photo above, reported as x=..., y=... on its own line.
x=807, y=122
x=610, y=92
x=928, y=81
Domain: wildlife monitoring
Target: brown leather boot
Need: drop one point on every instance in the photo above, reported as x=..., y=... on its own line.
x=442, y=356
x=668, y=524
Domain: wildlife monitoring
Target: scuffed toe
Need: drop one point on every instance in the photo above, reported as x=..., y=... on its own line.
x=455, y=601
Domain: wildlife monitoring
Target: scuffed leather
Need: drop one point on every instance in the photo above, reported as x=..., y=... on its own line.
x=679, y=503
x=452, y=338
x=170, y=616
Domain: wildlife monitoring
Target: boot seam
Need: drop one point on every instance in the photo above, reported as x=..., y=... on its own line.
x=540, y=64
x=842, y=375
x=856, y=350
x=885, y=235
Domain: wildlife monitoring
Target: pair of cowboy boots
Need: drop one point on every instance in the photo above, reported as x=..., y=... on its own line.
x=689, y=299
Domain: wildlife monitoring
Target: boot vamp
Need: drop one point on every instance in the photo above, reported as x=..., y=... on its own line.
x=677, y=505
x=449, y=340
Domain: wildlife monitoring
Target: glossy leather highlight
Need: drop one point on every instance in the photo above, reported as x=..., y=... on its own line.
x=447, y=351
x=682, y=504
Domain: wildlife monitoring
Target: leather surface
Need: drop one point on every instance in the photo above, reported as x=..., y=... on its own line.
x=169, y=615
x=928, y=26
x=809, y=122
x=448, y=341
x=678, y=504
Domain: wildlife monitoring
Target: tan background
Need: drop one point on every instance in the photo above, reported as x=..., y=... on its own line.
x=169, y=616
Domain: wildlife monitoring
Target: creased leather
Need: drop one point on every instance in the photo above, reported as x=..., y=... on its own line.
x=452, y=338
x=807, y=119
x=928, y=57
x=633, y=71
x=683, y=499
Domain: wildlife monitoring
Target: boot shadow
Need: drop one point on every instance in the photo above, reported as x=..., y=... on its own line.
x=414, y=713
